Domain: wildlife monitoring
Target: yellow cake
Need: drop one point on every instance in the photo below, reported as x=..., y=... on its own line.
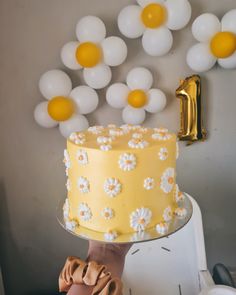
x=120, y=179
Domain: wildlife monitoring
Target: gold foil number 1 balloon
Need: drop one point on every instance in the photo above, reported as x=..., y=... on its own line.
x=189, y=93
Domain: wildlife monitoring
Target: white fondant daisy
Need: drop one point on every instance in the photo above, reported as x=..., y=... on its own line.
x=112, y=187
x=137, y=135
x=143, y=129
x=180, y=212
x=137, y=143
x=66, y=159
x=83, y=185
x=111, y=126
x=126, y=128
x=84, y=212
x=96, y=129
x=104, y=139
x=105, y=147
x=167, y=215
x=71, y=224
x=82, y=157
x=110, y=235
x=140, y=218
x=168, y=180
x=162, y=228
x=179, y=196
x=66, y=209
x=127, y=162
x=161, y=135
x=116, y=132
x=107, y=213
x=77, y=137
x=148, y=183
x=163, y=154
x=160, y=130
x=68, y=184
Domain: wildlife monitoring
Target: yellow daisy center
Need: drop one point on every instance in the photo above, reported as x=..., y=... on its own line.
x=111, y=187
x=153, y=15
x=81, y=158
x=88, y=54
x=171, y=180
x=137, y=98
x=223, y=44
x=106, y=214
x=60, y=108
x=141, y=221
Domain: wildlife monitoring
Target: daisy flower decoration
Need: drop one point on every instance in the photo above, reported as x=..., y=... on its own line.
x=140, y=218
x=216, y=42
x=154, y=20
x=136, y=96
x=93, y=52
x=64, y=106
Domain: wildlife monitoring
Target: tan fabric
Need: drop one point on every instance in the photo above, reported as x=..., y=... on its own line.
x=76, y=271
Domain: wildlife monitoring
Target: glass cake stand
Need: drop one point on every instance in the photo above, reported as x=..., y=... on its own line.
x=150, y=234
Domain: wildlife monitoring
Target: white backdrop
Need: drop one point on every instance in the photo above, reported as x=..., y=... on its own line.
x=33, y=246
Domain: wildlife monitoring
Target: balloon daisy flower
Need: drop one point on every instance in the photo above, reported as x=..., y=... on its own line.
x=93, y=52
x=153, y=19
x=136, y=97
x=64, y=106
x=217, y=42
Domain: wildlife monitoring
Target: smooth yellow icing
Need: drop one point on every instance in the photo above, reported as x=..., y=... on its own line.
x=101, y=165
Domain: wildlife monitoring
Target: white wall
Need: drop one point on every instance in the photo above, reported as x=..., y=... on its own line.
x=33, y=246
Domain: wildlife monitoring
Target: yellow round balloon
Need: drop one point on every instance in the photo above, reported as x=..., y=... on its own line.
x=137, y=98
x=223, y=44
x=88, y=54
x=153, y=15
x=60, y=108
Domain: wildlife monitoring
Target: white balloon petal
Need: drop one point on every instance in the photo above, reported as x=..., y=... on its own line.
x=156, y=101
x=117, y=95
x=90, y=28
x=114, y=51
x=200, y=58
x=129, y=21
x=229, y=62
x=98, y=77
x=157, y=42
x=229, y=21
x=179, y=13
x=133, y=116
x=144, y=3
x=76, y=123
x=139, y=78
x=86, y=99
x=205, y=27
x=68, y=55
x=55, y=83
x=42, y=117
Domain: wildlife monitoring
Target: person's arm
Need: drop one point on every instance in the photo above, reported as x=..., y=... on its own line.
x=111, y=255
